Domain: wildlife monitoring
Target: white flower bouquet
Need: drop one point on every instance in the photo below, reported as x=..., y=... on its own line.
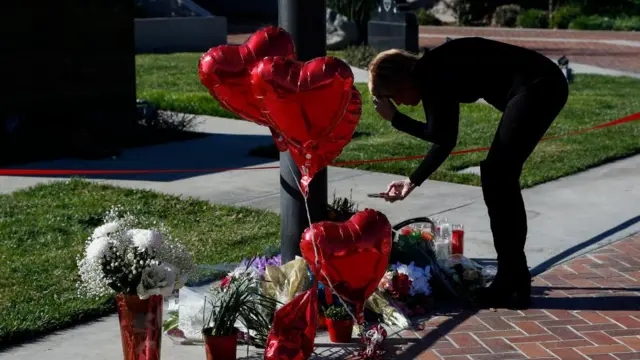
x=121, y=257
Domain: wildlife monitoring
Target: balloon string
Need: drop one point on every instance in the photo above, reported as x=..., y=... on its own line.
x=333, y=291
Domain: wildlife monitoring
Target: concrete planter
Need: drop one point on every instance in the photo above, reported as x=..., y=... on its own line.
x=180, y=34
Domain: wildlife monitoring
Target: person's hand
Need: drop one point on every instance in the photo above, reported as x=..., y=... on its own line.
x=398, y=190
x=384, y=107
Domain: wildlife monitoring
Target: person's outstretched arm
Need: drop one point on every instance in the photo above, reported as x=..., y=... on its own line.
x=441, y=129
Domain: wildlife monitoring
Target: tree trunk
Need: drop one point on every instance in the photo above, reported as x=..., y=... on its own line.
x=550, y=13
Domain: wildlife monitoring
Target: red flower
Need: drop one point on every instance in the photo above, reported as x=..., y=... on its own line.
x=407, y=231
x=225, y=282
x=427, y=236
x=400, y=285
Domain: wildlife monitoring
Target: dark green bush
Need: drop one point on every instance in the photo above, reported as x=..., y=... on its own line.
x=534, y=19
x=359, y=56
x=627, y=23
x=564, y=15
x=593, y=22
x=426, y=18
x=506, y=15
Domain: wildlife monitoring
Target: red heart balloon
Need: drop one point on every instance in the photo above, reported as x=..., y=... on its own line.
x=353, y=256
x=314, y=105
x=225, y=71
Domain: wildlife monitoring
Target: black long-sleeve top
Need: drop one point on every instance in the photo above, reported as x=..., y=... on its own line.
x=463, y=71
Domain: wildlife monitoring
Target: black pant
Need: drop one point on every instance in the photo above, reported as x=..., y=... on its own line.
x=524, y=122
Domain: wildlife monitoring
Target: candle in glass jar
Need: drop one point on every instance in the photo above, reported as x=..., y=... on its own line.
x=457, y=239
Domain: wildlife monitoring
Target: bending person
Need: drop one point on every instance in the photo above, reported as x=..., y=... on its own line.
x=530, y=91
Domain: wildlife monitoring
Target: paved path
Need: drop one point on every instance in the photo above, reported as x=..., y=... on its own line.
x=588, y=308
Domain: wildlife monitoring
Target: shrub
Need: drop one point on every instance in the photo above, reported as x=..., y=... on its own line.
x=593, y=22
x=359, y=56
x=427, y=18
x=627, y=23
x=534, y=19
x=564, y=15
x=358, y=11
x=506, y=15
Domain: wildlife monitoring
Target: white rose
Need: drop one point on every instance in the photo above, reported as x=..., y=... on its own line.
x=145, y=239
x=157, y=280
x=98, y=248
x=105, y=230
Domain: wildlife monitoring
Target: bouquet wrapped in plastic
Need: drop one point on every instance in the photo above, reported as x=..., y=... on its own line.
x=284, y=282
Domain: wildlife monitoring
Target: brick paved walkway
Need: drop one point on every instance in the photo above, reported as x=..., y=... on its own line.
x=588, y=308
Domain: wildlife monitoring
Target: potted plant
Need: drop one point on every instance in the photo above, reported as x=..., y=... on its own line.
x=322, y=319
x=141, y=266
x=339, y=323
x=237, y=300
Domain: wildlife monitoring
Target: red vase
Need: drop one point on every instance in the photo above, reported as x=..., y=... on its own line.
x=340, y=330
x=221, y=347
x=140, y=326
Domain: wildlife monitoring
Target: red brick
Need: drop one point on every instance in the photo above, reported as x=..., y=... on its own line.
x=628, y=356
x=598, y=327
x=568, y=354
x=607, y=349
x=464, y=340
x=469, y=328
x=498, y=345
x=602, y=357
x=627, y=321
x=497, y=334
x=625, y=332
x=632, y=341
x=562, y=314
x=496, y=323
x=564, y=333
x=565, y=322
x=531, y=328
x=442, y=344
x=554, y=280
x=533, y=350
x=599, y=338
x=463, y=351
x=537, y=317
x=533, y=339
x=566, y=344
x=497, y=312
x=429, y=355
x=503, y=356
x=593, y=317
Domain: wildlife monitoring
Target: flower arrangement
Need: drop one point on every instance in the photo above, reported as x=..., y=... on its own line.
x=238, y=300
x=408, y=286
x=122, y=257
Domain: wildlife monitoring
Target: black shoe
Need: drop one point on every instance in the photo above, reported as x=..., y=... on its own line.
x=507, y=291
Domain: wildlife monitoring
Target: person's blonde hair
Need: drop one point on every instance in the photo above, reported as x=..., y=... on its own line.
x=390, y=71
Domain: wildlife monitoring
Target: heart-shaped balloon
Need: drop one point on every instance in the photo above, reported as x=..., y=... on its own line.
x=352, y=256
x=313, y=104
x=225, y=71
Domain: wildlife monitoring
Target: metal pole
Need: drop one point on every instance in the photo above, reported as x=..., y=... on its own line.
x=306, y=22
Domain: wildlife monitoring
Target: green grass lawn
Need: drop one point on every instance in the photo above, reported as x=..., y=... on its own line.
x=44, y=228
x=171, y=81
